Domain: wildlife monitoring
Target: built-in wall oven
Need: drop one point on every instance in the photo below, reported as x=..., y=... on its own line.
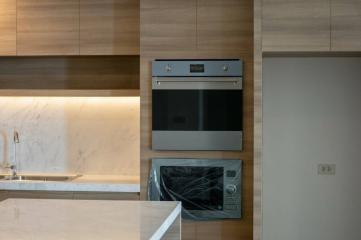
x=208, y=188
x=197, y=104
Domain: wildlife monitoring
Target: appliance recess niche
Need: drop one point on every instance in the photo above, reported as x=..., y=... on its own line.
x=205, y=30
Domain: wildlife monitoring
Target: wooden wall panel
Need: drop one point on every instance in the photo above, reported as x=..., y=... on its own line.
x=257, y=79
x=109, y=27
x=160, y=38
x=346, y=25
x=48, y=27
x=168, y=25
x=224, y=24
x=98, y=72
x=7, y=27
x=296, y=25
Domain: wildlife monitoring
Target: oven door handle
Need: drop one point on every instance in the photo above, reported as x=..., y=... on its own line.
x=231, y=83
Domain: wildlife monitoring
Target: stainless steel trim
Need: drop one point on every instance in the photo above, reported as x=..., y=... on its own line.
x=225, y=68
x=182, y=83
x=227, y=164
x=197, y=140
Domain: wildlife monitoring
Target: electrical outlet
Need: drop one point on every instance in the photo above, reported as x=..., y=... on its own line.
x=326, y=169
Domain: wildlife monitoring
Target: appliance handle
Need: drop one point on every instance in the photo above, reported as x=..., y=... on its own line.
x=231, y=83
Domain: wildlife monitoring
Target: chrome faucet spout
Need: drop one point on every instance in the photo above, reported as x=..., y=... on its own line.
x=16, y=137
x=16, y=166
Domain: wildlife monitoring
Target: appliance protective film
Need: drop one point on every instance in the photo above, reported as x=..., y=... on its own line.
x=205, y=191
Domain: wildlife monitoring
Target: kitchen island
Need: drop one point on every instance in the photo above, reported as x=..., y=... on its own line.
x=34, y=219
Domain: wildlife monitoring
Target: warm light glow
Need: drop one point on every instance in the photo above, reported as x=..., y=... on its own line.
x=71, y=100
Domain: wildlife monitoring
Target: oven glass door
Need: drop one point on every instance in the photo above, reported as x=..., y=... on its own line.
x=197, y=110
x=198, y=188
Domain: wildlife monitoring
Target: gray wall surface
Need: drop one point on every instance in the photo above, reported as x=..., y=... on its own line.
x=312, y=115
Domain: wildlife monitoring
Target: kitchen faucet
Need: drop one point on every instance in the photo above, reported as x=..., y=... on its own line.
x=16, y=165
x=13, y=171
x=13, y=167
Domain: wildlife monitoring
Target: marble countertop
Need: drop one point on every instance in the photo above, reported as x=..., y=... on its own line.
x=84, y=183
x=34, y=219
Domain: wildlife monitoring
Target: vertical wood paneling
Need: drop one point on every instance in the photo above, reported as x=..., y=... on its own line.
x=109, y=27
x=168, y=25
x=346, y=25
x=7, y=27
x=48, y=27
x=224, y=24
x=257, y=194
x=296, y=25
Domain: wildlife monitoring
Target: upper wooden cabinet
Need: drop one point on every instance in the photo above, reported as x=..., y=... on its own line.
x=109, y=27
x=48, y=27
x=7, y=27
x=296, y=25
x=224, y=25
x=169, y=26
x=346, y=25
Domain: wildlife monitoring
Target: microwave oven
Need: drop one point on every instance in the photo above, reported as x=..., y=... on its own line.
x=209, y=189
x=197, y=105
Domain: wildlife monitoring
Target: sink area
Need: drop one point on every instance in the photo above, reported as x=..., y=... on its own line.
x=39, y=178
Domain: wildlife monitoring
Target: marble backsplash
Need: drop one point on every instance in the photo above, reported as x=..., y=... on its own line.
x=86, y=135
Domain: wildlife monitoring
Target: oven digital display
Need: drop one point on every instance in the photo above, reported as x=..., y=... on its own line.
x=197, y=68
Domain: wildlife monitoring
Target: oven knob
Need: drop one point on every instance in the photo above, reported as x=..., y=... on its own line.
x=225, y=68
x=168, y=68
x=231, y=189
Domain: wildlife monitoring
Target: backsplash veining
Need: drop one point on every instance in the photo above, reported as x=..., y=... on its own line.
x=87, y=135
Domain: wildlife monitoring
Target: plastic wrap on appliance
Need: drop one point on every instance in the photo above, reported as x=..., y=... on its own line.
x=200, y=193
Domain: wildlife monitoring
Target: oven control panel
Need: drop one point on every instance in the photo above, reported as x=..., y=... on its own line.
x=232, y=194
x=197, y=68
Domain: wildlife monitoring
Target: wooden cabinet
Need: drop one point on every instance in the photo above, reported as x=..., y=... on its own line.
x=3, y=195
x=105, y=196
x=74, y=27
x=48, y=27
x=109, y=27
x=296, y=25
x=68, y=195
x=7, y=27
x=346, y=25
x=169, y=25
x=224, y=25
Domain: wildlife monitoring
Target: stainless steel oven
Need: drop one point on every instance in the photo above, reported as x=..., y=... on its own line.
x=197, y=104
x=208, y=188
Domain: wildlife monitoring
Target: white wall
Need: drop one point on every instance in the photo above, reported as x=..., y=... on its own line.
x=312, y=115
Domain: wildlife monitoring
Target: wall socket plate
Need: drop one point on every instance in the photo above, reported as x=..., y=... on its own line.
x=326, y=169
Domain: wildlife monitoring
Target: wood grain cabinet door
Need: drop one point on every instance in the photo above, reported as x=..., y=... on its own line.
x=346, y=25
x=168, y=26
x=48, y=27
x=7, y=27
x=296, y=25
x=109, y=27
x=224, y=25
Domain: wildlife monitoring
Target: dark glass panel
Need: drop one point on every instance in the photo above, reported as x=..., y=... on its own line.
x=198, y=188
x=197, y=110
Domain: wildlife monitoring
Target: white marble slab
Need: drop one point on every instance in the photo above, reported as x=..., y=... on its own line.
x=86, y=135
x=86, y=183
x=34, y=219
